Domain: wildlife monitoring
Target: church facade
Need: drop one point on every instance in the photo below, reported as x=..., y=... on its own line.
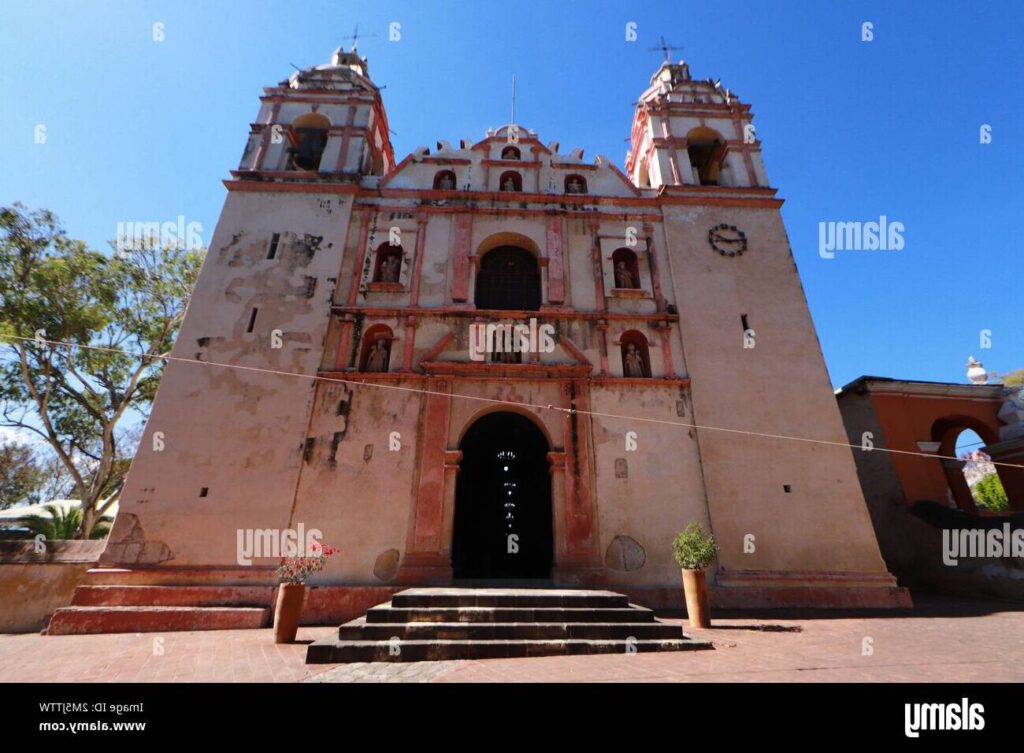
x=495, y=361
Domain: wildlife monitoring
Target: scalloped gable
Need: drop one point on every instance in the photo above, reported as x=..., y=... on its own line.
x=471, y=163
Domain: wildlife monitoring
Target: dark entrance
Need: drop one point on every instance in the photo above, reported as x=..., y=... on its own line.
x=508, y=279
x=502, y=527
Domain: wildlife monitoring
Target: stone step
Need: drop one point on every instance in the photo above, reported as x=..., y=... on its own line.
x=150, y=619
x=165, y=575
x=360, y=630
x=431, y=624
x=173, y=596
x=388, y=613
x=507, y=597
x=330, y=650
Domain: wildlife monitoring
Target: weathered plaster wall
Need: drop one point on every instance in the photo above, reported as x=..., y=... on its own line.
x=649, y=493
x=237, y=434
x=778, y=387
x=355, y=488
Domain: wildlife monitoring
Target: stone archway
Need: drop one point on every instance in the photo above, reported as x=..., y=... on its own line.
x=503, y=521
x=945, y=431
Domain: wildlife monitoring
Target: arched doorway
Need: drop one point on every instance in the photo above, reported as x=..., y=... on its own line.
x=956, y=436
x=503, y=519
x=508, y=279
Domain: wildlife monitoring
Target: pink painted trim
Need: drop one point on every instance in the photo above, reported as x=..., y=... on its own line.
x=345, y=140
x=261, y=153
x=570, y=346
x=659, y=298
x=666, y=351
x=439, y=346
x=469, y=311
x=556, y=281
x=463, y=232
x=410, y=339
x=417, y=270
x=357, y=271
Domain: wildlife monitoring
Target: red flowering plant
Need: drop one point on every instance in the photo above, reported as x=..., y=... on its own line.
x=298, y=569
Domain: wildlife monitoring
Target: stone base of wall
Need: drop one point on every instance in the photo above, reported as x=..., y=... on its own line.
x=335, y=604
x=762, y=589
x=34, y=585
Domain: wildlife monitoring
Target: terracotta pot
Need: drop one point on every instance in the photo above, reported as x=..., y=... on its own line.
x=287, y=611
x=695, y=586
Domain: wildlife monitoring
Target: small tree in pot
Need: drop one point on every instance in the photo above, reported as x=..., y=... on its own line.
x=694, y=550
x=291, y=594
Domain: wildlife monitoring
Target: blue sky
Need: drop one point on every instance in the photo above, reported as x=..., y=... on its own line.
x=852, y=130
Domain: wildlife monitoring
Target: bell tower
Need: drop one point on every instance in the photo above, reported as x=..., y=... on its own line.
x=688, y=132
x=322, y=123
x=787, y=513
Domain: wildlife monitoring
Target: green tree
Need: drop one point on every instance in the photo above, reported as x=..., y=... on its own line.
x=989, y=493
x=20, y=476
x=1014, y=379
x=60, y=524
x=119, y=312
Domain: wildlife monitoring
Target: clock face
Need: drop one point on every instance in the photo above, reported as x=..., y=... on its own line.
x=728, y=240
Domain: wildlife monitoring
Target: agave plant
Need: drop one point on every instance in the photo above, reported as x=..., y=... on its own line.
x=62, y=524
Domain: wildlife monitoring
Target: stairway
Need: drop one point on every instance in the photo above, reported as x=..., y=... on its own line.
x=431, y=624
x=148, y=608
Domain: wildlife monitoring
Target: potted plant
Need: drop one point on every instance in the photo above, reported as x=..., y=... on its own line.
x=291, y=593
x=694, y=550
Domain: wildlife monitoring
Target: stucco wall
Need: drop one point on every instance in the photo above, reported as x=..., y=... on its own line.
x=33, y=586
x=236, y=433
x=778, y=387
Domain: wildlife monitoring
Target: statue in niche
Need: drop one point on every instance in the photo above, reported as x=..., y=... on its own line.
x=446, y=184
x=633, y=363
x=509, y=153
x=377, y=360
x=389, y=268
x=574, y=186
x=509, y=184
x=623, y=277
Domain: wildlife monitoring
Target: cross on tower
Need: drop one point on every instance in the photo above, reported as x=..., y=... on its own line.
x=354, y=36
x=665, y=47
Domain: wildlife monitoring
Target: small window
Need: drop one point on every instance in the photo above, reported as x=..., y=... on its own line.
x=636, y=361
x=511, y=152
x=787, y=488
x=575, y=184
x=510, y=181
x=274, y=240
x=204, y=491
x=444, y=181
x=252, y=319
x=389, y=264
x=626, y=268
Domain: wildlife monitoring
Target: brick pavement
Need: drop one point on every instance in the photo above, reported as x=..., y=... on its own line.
x=942, y=640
